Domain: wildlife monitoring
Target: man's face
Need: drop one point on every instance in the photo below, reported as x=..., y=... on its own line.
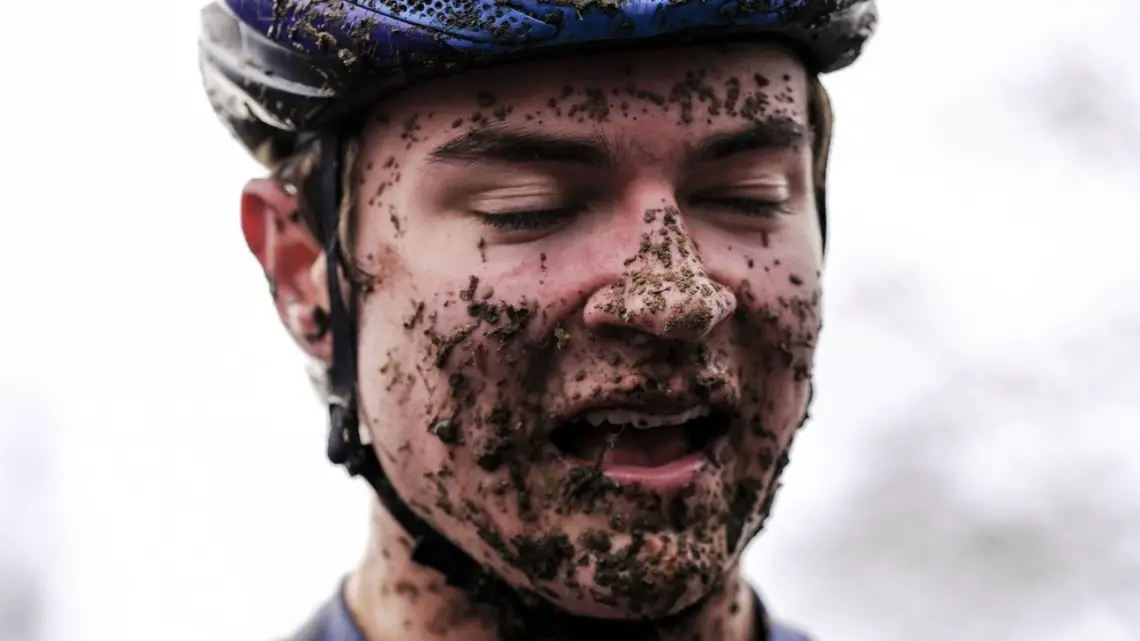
x=587, y=336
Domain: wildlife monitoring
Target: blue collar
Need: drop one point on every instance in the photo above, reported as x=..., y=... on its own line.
x=334, y=623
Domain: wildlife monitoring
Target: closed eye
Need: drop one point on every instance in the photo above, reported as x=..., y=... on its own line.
x=747, y=206
x=527, y=220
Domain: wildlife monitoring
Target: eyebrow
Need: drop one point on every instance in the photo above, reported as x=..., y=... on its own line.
x=774, y=133
x=496, y=144
x=517, y=147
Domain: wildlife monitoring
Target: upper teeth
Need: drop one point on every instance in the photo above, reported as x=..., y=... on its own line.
x=641, y=420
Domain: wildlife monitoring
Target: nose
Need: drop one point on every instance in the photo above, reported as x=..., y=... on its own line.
x=665, y=290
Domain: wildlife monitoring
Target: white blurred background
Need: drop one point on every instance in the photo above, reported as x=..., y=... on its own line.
x=972, y=471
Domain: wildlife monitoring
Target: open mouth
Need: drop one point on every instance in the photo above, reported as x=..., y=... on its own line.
x=628, y=437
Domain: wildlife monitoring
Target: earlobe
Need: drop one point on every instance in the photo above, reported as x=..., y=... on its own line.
x=291, y=258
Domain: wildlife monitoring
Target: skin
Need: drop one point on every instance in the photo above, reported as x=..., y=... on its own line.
x=662, y=275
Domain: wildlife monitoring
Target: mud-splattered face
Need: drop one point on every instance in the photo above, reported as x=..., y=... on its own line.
x=588, y=343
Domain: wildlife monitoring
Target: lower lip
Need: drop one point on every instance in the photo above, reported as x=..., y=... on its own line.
x=670, y=477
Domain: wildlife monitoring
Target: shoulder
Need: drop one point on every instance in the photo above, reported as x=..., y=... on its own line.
x=778, y=632
x=332, y=622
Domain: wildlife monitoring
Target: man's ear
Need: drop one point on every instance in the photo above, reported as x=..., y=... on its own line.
x=294, y=263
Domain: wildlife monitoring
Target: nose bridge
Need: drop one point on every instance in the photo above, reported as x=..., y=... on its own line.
x=664, y=290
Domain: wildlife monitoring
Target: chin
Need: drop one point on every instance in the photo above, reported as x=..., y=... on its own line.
x=603, y=605
x=631, y=576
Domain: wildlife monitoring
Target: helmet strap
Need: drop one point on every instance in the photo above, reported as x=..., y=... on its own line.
x=348, y=442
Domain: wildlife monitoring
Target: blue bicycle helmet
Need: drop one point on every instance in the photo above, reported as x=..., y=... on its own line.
x=274, y=69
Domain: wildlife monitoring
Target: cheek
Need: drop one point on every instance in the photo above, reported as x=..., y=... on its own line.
x=434, y=371
x=419, y=408
x=777, y=325
x=774, y=331
x=392, y=383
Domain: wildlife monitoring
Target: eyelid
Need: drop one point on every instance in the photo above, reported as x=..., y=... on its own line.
x=525, y=201
x=506, y=182
x=767, y=182
x=743, y=174
x=536, y=185
x=769, y=192
x=774, y=188
x=533, y=189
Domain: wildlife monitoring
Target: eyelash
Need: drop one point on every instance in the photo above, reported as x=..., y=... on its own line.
x=747, y=206
x=527, y=220
x=540, y=219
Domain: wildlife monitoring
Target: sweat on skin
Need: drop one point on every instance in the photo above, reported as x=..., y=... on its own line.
x=633, y=229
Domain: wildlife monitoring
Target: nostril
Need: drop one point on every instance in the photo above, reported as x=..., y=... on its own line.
x=625, y=335
x=696, y=320
x=682, y=308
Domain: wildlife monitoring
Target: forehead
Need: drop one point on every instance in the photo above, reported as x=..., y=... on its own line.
x=646, y=99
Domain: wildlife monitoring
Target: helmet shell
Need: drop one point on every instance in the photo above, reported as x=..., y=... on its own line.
x=275, y=69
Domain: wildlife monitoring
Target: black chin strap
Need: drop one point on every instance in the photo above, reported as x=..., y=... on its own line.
x=345, y=445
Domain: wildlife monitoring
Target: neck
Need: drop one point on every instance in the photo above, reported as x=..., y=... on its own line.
x=391, y=597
